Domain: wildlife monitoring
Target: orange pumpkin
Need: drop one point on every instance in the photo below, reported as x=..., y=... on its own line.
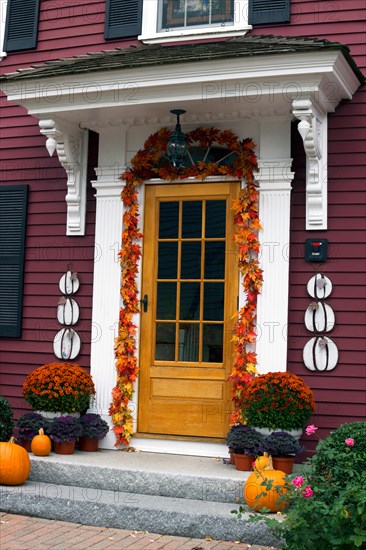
x=41, y=444
x=14, y=463
x=257, y=496
x=263, y=463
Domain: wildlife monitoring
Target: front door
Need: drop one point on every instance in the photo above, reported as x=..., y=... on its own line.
x=190, y=288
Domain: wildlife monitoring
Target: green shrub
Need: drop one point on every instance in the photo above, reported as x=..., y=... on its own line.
x=327, y=504
x=337, y=462
x=6, y=419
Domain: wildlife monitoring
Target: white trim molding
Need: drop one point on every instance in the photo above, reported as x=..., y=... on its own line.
x=274, y=179
x=72, y=150
x=150, y=24
x=313, y=128
x=3, y=11
x=106, y=291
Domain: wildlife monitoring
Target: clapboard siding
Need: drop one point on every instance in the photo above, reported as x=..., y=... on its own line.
x=24, y=159
x=67, y=29
x=340, y=394
x=339, y=21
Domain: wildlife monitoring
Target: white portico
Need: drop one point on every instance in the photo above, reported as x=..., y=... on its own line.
x=126, y=96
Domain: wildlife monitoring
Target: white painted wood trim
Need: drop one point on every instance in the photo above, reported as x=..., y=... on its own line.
x=313, y=128
x=190, y=448
x=150, y=23
x=106, y=291
x=71, y=145
x=275, y=179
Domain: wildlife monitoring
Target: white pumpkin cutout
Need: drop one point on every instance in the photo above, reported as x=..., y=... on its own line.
x=320, y=354
x=67, y=311
x=66, y=344
x=319, y=317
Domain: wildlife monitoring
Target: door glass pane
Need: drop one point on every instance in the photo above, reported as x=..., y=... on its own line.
x=213, y=308
x=166, y=301
x=165, y=342
x=189, y=301
x=212, y=347
x=191, y=260
x=188, y=342
x=215, y=219
x=215, y=260
x=168, y=220
x=168, y=260
x=192, y=220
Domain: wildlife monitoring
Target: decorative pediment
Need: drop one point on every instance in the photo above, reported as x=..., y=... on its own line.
x=313, y=130
x=71, y=148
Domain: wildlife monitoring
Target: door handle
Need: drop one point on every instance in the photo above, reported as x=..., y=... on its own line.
x=144, y=302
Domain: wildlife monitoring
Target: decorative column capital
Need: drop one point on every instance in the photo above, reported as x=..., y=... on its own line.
x=274, y=174
x=313, y=130
x=71, y=146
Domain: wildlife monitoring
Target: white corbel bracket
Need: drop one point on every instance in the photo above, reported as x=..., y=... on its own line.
x=72, y=149
x=313, y=130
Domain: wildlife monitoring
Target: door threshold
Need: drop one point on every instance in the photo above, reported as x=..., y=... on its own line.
x=179, y=447
x=176, y=437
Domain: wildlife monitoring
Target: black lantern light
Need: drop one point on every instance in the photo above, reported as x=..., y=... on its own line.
x=177, y=143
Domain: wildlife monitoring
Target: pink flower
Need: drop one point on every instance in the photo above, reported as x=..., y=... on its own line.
x=350, y=441
x=310, y=429
x=298, y=481
x=307, y=492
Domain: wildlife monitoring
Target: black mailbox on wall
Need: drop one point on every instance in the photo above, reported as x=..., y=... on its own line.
x=316, y=250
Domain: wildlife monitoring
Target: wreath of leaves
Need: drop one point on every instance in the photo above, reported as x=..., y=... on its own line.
x=149, y=163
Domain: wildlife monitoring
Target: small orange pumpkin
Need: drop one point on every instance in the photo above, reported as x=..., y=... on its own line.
x=14, y=463
x=41, y=444
x=262, y=462
x=257, y=496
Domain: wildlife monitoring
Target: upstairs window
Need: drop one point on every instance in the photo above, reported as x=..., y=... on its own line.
x=182, y=20
x=194, y=13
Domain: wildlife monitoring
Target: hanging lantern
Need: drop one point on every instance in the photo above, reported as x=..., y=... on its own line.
x=177, y=143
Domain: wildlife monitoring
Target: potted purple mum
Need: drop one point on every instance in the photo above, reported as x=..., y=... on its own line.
x=94, y=428
x=64, y=431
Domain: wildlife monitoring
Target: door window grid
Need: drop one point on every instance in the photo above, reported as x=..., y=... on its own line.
x=195, y=339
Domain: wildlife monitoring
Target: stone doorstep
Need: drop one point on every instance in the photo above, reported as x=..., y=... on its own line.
x=176, y=476
x=140, y=512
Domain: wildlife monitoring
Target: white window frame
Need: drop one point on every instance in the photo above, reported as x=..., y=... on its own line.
x=3, y=8
x=150, y=35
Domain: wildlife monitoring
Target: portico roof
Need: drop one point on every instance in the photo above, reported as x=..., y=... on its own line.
x=153, y=55
x=261, y=79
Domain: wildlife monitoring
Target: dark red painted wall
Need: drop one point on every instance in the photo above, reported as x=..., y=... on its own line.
x=341, y=394
x=72, y=28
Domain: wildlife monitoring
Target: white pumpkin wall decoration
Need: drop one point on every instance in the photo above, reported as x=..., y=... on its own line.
x=320, y=352
x=67, y=343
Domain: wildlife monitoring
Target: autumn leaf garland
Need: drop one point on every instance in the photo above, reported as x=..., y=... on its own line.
x=149, y=163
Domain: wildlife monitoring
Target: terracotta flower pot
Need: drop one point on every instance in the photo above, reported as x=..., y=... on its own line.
x=232, y=457
x=283, y=463
x=243, y=462
x=88, y=444
x=26, y=443
x=64, y=447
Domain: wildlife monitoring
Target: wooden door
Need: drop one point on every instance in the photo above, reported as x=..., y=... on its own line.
x=190, y=281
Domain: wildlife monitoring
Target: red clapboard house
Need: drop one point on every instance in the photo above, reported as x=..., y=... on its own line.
x=84, y=85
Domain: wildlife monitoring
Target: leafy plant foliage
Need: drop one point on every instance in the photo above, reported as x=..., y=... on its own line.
x=6, y=419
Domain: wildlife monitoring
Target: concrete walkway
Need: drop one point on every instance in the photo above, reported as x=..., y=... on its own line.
x=27, y=533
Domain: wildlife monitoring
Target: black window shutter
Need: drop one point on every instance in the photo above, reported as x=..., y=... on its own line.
x=21, y=25
x=263, y=12
x=122, y=18
x=13, y=212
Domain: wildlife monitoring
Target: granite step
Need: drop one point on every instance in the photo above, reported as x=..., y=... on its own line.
x=175, y=476
x=137, y=512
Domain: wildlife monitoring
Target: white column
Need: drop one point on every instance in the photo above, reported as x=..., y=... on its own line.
x=275, y=179
x=107, y=271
